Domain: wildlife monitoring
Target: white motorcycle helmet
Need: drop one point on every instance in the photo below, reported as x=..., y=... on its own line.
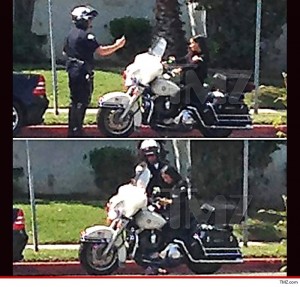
x=149, y=147
x=83, y=13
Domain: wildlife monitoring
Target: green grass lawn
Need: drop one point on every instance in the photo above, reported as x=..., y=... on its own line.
x=275, y=250
x=62, y=222
x=104, y=82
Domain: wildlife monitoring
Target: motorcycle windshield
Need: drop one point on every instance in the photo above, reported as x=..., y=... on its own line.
x=158, y=48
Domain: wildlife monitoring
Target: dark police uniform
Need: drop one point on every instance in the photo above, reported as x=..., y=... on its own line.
x=80, y=46
x=156, y=179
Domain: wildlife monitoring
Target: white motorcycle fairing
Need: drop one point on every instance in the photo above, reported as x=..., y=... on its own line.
x=116, y=100
x=101, y=232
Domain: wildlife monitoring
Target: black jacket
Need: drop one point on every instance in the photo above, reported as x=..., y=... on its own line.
x=199, y=67
x=156, y=179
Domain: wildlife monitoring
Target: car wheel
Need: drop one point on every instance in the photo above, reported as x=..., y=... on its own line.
x=18, y=118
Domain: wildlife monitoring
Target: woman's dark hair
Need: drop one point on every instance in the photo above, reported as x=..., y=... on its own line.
x=172, y=172
x=201, y=41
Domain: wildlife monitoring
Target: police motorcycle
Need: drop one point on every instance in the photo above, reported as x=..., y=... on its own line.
x=135, y=229
x=149, y=96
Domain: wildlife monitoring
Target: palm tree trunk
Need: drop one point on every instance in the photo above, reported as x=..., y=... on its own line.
x=24, y=13
x=169, y=26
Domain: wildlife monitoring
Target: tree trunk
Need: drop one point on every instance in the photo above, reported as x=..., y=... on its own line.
x=182, y=153
x=24, y=13
x=169, y=26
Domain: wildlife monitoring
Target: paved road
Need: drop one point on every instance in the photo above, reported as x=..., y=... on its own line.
x=279, y=275
x=130, y=268
x=253, y=274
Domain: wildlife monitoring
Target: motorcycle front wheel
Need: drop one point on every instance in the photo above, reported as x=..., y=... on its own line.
x=90, y=257
x=109, y=124
x=215, y=133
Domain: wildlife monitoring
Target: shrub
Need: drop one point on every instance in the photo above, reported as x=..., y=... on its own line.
x=27, y=46
x=281, y=224
x=269, y=98
x=18, y=192
x=137, y=32
x=261, y=231
x=112, y=167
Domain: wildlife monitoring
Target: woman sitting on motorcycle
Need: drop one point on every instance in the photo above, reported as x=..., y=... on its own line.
x=174, y=206
x=180, y=217
x=193, y=72
x=195, y=60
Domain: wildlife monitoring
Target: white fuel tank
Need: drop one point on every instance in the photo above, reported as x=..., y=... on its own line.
x=163, y=87
x=146, y=219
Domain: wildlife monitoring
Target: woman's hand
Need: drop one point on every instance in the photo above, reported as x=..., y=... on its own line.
x=165, y=201
x=197, y=58
x=177, y=71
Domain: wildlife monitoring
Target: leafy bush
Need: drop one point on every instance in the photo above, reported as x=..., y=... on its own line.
x=281, y=225
x=137, y=31
x=18, y=173
x=261, y=231
x=113, y=167
x=27, y=46
x=270, y=97
x=267, y=231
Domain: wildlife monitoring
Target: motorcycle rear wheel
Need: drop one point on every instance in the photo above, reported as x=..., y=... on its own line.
x=107, y=122
x=91, y=261
x=204, y=268
x=215, y=133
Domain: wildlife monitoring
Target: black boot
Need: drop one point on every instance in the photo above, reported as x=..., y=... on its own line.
x=76, y=118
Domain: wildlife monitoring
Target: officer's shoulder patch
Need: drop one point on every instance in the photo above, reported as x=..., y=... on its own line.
x=90, y=37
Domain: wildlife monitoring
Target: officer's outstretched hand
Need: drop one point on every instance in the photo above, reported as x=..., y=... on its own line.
x=120, y=42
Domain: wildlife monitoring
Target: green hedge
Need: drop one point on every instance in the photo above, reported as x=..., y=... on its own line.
x=267, y=98
x=27, y=46
x=137, y=31
x=112, y=168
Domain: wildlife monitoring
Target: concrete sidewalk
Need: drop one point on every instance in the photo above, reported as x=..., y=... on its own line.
x=95, y=110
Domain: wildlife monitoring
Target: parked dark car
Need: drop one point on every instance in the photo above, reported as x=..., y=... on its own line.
x=29, y=100
x=20, y=237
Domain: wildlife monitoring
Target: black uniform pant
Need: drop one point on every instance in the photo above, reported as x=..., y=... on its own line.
x=81, y=89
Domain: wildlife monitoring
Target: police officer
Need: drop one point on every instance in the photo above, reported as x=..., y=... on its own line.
x=150, y=152
x=79, y=47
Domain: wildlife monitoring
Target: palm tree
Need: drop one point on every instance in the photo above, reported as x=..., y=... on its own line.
x=169, y=26
x=23, y=10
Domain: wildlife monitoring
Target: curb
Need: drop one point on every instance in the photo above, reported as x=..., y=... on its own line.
x=60, y=131
x=131, y=268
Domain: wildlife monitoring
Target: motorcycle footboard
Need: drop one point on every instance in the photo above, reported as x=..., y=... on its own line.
x=199, y=254
x=229, y=255
x=211, y=118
